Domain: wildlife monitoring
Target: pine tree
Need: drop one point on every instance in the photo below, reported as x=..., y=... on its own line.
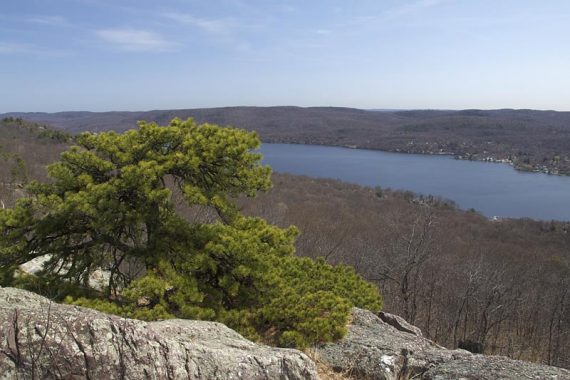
x=112, y=205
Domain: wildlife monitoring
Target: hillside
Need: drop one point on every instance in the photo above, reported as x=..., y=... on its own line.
x=35, y=143
x=500, y=285
x=25, y=149
x=496, y=287
x=532, y=140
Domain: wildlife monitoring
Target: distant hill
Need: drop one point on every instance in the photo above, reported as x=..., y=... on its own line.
x=258, y=118
x=34, y=143
x=529, y=139
x=25, y=150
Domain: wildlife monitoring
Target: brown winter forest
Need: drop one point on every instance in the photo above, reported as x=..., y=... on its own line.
x=497, y=286
x=529, y=139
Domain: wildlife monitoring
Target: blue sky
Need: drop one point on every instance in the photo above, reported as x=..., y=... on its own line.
x=103, y=55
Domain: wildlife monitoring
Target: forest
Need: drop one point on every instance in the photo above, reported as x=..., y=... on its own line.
x=530, y=140
x=497, y=287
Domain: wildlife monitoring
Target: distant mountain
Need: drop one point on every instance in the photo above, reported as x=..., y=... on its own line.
x=530, y=139
x=258, y=118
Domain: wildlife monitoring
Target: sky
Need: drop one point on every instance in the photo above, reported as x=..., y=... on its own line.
x=105, y=55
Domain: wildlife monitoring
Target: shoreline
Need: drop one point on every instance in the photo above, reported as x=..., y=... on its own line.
x=524, y=169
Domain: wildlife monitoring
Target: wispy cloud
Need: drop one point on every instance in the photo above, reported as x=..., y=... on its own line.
x=411, y=7
x=228, y=32
x=135, y=40
x=55, y=21
x=395, y=15
x=212, y=26
x=323, y=32
x=12, y=48
x=7, y=48
x=287, y=8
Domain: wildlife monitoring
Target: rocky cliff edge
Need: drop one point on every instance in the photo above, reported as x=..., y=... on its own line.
x=386, y=347
x=42, y=339
x=45, y=340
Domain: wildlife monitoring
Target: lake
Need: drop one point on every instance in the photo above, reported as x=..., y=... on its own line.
x=494, y=189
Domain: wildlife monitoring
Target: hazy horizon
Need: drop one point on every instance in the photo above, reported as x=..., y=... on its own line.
x=103, y=55
x=287, y=105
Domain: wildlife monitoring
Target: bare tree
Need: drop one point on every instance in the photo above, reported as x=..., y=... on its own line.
x=404, y=256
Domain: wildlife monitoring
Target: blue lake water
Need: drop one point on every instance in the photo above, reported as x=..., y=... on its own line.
x=491, y=188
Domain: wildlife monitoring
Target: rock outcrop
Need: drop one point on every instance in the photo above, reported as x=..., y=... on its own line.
x=388, y=348
x=43, y=340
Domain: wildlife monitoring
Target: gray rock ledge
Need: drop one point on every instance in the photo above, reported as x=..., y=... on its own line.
x=388, y=348
x=44, y=340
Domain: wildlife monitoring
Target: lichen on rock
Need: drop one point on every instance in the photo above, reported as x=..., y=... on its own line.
x=389, y=348
x=45, y=340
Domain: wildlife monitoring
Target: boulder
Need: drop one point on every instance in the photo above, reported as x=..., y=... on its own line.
x=388, y=348
x=45, y=340
x=400, y=323
x=98, y=279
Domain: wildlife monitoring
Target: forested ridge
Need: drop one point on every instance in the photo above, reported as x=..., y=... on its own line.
x=530, y=140
x=498, y=287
